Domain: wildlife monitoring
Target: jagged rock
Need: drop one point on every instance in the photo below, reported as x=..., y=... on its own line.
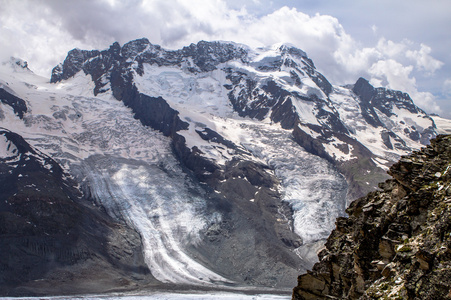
x=19, y=106
x=396, y=241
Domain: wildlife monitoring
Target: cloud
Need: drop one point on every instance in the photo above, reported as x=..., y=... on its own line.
x=424, y=61
x=447, y=88
x=390, y=64
x=394, y=75
x=42, y=31
x=374, y=28
x=38, y=35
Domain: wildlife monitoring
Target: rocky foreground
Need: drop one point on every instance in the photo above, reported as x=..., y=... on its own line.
x=395, y=244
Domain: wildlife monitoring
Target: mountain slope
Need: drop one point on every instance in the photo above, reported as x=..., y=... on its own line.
x=395, y=243
x=278, y=84
x=50, y=236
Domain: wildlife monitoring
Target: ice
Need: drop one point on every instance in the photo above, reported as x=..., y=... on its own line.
x=316, y=192
x=158, y=201
x=185, y=91
x=305, y=110
x=7, y=148
x=443, y=125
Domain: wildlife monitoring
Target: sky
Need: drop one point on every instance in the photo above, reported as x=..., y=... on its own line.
x=403, y=44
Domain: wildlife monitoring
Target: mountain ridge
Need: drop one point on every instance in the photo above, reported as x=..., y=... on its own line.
x=248, y=99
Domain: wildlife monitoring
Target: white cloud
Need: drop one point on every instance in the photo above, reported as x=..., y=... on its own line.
x=43, y=31
x=374, y=28
x=38, y=36
x=394, y=75
x=447, y=88
x=391, y=49
x=392, y=65
x=424, y=61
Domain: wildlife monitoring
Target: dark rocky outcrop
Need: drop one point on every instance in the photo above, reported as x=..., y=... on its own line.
x=208, y=134
x=154, y=112
x=73, y=63
x=367, y=93
x=396, y=242
x=52, y=242
x=19, y=106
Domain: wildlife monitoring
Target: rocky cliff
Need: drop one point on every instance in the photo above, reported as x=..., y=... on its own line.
x=395, y=244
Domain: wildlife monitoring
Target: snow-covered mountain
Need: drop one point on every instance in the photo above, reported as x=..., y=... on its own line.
x=232, y=163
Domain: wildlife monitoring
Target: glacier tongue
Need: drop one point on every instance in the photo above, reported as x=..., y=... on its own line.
x=313, y=188
x=161, y=204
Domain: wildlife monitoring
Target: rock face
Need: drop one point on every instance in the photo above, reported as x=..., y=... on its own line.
x=19, y=106
x=396, y=242
x=52, y=241
x=385, y=101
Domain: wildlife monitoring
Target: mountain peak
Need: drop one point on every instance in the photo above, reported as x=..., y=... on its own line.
x=16, y=64
x=287, y=48
x=384, y=99
x=135, y=47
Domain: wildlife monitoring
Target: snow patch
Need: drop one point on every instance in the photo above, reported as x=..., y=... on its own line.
x=7, y=148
